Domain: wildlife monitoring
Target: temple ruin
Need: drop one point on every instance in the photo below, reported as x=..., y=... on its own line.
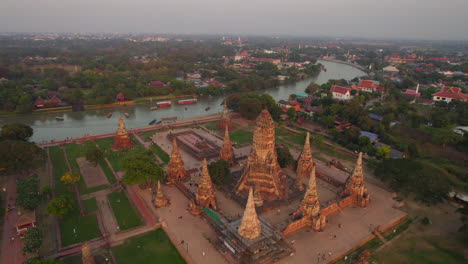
x=122, y=139
x=175, y=168
x=227, y=152
x=205, y=195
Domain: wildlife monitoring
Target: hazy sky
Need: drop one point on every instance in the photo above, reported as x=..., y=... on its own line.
x=428, y=19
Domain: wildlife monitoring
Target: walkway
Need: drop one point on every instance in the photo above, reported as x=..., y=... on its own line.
x=11, y=248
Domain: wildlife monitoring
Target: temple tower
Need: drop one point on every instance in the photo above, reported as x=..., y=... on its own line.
x=225, y=119
x=262, y=169
x=310, y=205
x=175, y=169
x=205, y=195
x=355, y=185
x=160, y=200
x=86, y=256
x=250, y=227
x=304, y=164
x=122, y=139
x=227, y=152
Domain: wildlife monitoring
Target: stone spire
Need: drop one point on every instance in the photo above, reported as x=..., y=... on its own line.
x=250, y=227
x=205, y=195
x=355, y=185
x=304, y=164
x=122, y=139
x=160, y=200
x=86, y=256
x=258, y=200
x=227, y=152
x=310, y=205
x=262, y=167
x=176, y=168
x=225, y=120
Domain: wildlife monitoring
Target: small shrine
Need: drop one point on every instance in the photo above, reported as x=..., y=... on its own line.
x=304, y=164
x=175, y=168
x=86, y=256
x=227, y=152
x=160, y=200
x=225, y=120
x=122, y=139
x=205, y=195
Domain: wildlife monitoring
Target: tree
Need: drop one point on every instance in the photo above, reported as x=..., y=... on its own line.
x=445, y=136
x=28, y=192
x=426, y=182
x=291, y=113
x=383, y=152
x=219, y=172
x=140, y=168
x=18, y=156
x=285, y=158
x=60, y=206
x=250, y=108
x=32, y=240
x=94, y=155
x=70, y=177
x=328, y=120
x=16, y=131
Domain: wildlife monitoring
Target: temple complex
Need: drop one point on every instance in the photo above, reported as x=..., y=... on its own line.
x=355, y=185
x=262, y=170
x=175, y=168
x=122, y=139
x=160, y=200
x=86, y=256
x=227, y=152
x=225, y=121
x=205, y=195
x=304, y=164
x=195, y=144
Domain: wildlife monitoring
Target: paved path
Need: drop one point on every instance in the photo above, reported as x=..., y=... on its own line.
x=11, y=249
x=182, y=226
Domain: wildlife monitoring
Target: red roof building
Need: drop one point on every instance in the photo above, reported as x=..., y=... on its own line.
x=120, y=97
x=157, y=83
x=450, y=93
x=369, y=86
x=340, y=92
x=39, y=102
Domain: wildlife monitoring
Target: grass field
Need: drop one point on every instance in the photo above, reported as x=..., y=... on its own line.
x=241, y=136
x=146, y=135
x=90, y=205
x=115, y=157
x=151, y=247
x=161, y=154
x=211, y=125
x=85, y=228
x=123, y=211
x=59, y=169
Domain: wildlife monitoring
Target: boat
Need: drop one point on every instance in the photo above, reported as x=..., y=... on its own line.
x=187, y=101
x=152, y=122
x=208, y=108
x=164, y=104
x=169, y=118
x=159, y=122
x=153, y=108
x=126, y=115
x=59, y=118
x=109, y=115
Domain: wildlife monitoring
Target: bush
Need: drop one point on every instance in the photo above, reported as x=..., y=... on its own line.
x=32, y=240
x=219, y=172
x=285, y=158
x=60, y=206
x=28, y=192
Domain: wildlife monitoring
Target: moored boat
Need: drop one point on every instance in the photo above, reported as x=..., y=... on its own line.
x=126, y=115
x=153, y=108
x=169, y=118
x=187, y=101
x=164, y=104
x=59, y=118
x=109, y=115
x=152, y=122
x=208, y=108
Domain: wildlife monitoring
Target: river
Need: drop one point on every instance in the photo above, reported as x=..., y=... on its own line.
x=77, y=124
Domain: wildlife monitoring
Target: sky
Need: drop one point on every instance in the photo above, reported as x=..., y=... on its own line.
x=398, y=19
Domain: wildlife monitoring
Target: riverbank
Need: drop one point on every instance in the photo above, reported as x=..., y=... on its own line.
x=357, y=66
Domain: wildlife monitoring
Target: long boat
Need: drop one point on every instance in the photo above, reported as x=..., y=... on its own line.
x=109, y=115
x=169, y=118
x=152, y=122
x=59, y=118
x=164, y=104
x=153, y=108
x=187, y=101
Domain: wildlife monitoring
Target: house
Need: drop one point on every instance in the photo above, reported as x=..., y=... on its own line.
x=372, y=137
x=39, y=102
x=368, y=86
x=120, y=97
x=450, y=93
x=157, y=84
x=341, y=124
x=24, y=222
x=340, y=92
x=375, y=117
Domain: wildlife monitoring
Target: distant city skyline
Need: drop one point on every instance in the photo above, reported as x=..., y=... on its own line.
x=398, y=19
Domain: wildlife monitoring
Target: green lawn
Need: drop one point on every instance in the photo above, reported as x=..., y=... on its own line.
x=74, y=259
x=90, y=205
x=241, y=136
x=86, y=228
x=107, y=171
x=211, y=125
x=123, y=211
x=161, y=154
x=115, y=157
x=151, y=247
x=146, y=135
x=59, y=169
